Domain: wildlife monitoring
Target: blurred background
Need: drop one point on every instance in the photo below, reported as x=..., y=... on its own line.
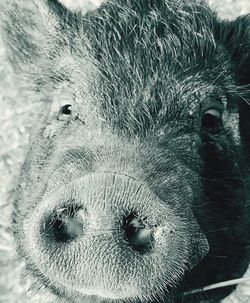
x=17, y=115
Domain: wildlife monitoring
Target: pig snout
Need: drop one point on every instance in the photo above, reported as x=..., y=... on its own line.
x=104, y=234
x=66, y=224
x=73, y=219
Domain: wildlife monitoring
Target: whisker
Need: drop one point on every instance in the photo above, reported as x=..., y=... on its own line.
x=216, y=285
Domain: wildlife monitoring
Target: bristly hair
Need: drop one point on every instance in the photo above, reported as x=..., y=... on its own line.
x=148, y=59
x=147, y=54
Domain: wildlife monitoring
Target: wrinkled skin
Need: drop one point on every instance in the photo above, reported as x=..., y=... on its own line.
x=158, y=126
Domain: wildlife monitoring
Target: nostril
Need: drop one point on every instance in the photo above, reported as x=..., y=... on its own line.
x=64, y=224
x=138, y=233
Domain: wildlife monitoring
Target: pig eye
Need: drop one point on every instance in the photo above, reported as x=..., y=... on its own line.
x=65, y=112
x=211, y=120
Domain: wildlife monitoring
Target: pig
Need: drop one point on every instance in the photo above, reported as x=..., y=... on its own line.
x=135, y=187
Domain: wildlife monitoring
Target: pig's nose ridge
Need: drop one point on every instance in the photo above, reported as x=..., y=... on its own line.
x=113, y=208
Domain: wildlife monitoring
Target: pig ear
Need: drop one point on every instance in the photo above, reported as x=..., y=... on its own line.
x=236, y=38
x=31, y=27
x=237, y=41
x=26, y=28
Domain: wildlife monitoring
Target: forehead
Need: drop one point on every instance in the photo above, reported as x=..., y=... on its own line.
x=138, y=61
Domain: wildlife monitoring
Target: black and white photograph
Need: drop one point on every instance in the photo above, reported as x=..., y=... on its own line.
x=124, y=151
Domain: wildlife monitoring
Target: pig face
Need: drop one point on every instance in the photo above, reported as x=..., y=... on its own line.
x=134, y=187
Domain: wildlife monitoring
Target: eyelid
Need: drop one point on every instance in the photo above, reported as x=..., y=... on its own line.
x=61, y=116
x=214, y=112
x=214, y=104
x=67, y=107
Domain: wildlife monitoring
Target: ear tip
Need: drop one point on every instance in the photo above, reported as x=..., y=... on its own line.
x=82, y=5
